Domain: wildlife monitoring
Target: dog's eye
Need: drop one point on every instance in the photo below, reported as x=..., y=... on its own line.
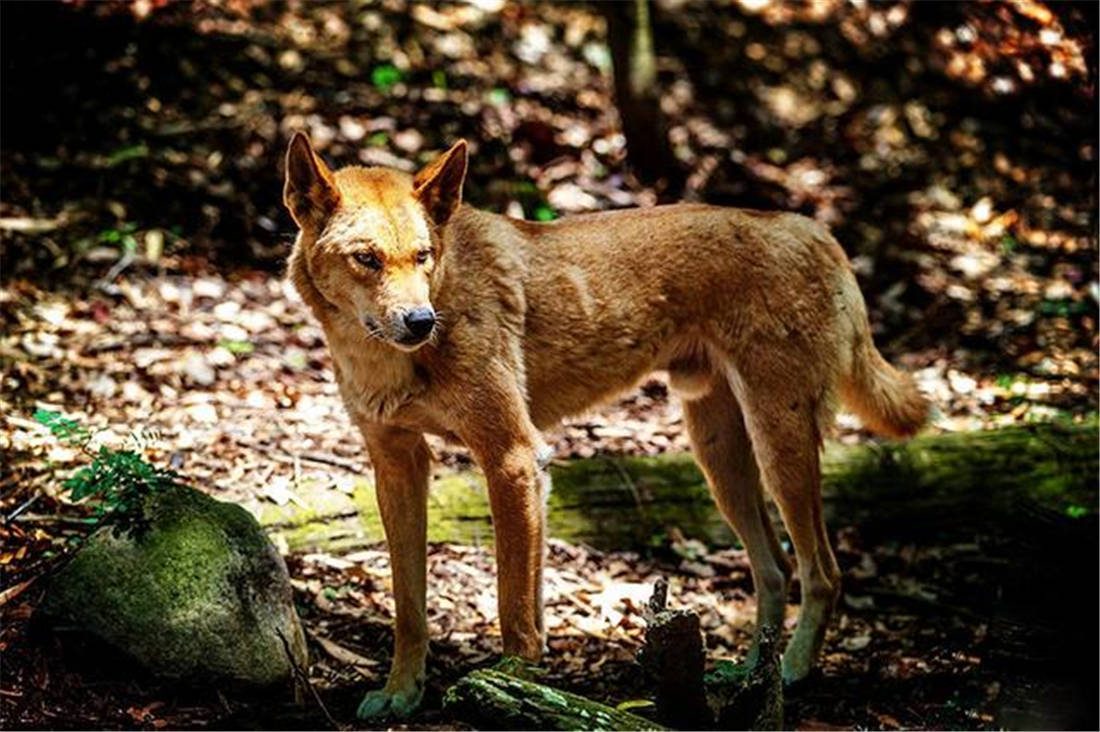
x=423, y=256
x=369, y=260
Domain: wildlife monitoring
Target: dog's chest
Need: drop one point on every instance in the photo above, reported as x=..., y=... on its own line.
x=384, y=389
x=374, y=388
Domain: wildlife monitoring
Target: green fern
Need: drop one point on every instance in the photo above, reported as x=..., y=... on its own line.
x=118, y=481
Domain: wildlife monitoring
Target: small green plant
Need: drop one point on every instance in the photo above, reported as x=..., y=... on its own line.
x=238, y=348
x=118, y=481
x=385, y=77
x=726, y=673
x=123, y=235
x=545, y=213
x=1075, y=512
x=127, y=152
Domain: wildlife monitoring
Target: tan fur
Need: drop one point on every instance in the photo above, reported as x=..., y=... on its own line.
x=757, y=317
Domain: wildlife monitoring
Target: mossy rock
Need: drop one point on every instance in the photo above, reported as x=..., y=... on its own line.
x=200, y=594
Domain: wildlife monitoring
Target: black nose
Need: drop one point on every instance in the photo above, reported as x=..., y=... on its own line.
x=420, y=321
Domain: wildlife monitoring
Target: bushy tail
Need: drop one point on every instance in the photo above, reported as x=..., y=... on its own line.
x=885, y=399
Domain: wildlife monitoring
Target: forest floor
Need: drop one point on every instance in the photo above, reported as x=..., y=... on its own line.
x=228, y=380
x=142, y=296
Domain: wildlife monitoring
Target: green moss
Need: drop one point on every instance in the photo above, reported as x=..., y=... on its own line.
x=495, y=700
x=633, y=502
x=202, y=592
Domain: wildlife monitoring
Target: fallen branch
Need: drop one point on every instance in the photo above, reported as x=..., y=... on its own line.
x=361, y=664
x=490, y=699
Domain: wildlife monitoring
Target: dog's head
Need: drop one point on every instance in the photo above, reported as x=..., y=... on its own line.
x=370, y=237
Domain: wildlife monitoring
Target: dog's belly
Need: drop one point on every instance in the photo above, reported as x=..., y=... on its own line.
x=563, y=383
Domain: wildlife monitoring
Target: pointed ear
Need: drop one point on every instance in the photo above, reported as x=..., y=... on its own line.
x=310, y=191
x=439, y=185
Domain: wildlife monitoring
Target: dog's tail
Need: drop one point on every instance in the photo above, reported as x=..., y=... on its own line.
x=887, y=400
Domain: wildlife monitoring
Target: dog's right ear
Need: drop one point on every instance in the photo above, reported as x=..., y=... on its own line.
x=439, y=185
x=310, y=193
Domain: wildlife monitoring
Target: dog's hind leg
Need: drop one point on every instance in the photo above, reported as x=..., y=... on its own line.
x=782, y=423
x=723, y=450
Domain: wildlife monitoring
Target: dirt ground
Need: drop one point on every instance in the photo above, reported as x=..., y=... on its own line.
x=887, y=663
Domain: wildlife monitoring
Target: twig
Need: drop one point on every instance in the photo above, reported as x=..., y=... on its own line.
x=106, y=283
x=15, y=591
x=338, y=462
x=629, y=484
x=23, y=507
x=304, y=680
x=225, y=703
x=50, y=519
x=326, y=518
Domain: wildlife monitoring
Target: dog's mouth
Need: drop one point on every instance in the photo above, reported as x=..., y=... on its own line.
x=410, y=342
x=407, y=341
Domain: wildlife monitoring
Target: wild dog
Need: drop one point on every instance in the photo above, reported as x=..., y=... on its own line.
x=447, y=320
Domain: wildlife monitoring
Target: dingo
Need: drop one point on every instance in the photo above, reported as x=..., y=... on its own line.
x=448, y=320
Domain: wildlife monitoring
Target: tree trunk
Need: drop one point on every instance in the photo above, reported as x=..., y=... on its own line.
x=673, y=656
x=630, y=35
x=750, y=698
x=490, y=699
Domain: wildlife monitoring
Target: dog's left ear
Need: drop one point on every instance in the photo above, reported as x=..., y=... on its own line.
x=439, y=185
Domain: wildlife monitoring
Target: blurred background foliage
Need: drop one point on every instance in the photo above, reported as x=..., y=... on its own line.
x=951, y=146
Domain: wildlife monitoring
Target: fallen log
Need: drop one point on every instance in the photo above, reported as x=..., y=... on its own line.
x=490, y=699
x=949, y=481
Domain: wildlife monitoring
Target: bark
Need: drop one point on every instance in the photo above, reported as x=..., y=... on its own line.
x=673, y=656
x=751, y=698
x=491, y=699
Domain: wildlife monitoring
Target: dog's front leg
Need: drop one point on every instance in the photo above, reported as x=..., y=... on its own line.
x=401, y=462
x=509, y=450
x=516, y=502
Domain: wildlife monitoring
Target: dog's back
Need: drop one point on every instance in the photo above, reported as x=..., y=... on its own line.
x=603, y=299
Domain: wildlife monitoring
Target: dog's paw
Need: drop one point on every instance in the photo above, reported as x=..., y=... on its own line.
x=380, y=703
x=796, y=668
x=802, y=651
